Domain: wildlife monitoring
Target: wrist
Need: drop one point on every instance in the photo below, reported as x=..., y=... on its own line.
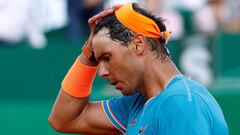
x=88, y=51
x=87, y=55
x=86, y=61
x=79, y=79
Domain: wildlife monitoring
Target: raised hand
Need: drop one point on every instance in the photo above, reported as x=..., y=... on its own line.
x=88, y=51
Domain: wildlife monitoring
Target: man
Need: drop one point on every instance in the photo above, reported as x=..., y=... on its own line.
x=128, y=45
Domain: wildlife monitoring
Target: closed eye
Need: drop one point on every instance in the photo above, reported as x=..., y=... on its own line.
x=106, y=58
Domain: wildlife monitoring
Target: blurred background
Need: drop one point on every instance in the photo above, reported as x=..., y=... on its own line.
x=40, y=39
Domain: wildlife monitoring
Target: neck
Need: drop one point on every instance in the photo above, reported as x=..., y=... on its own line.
x=157, y=77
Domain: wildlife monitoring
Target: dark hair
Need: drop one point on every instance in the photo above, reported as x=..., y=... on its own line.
x=122, y=34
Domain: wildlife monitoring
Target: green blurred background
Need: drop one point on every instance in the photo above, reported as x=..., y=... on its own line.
x=30, y=79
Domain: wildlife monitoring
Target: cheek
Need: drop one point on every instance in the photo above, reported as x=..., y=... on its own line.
x=127, y=70
x=124, y=67
x=130, y=78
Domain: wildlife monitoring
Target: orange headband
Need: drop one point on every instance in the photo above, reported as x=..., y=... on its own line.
x=138, y=22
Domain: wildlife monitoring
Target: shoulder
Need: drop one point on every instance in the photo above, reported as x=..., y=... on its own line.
x=186, y=96
x=182, y=100
x=180, y=114
x=187, y=106
x=185, y=87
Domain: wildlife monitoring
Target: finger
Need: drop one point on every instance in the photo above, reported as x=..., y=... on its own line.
x=100, y=15
x=109, y=11
x=106, y=12
x=93, y=19
x=97, y=21
x=116, y=7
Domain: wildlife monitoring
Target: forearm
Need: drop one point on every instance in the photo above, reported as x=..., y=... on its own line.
x=85, y=61
x=73, y=96
x=72, y=112
x=65, y=110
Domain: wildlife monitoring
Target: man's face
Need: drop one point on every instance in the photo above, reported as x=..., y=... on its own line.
x=117, y=63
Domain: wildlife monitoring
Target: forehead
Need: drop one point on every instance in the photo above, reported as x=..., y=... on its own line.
x=102, y=43
x=101, y=39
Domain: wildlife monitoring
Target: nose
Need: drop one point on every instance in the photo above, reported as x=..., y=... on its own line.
x=102, y=71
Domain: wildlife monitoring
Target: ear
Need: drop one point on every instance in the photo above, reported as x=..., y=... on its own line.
x=138, y=44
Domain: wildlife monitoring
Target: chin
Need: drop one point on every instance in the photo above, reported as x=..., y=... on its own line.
x=127, y=92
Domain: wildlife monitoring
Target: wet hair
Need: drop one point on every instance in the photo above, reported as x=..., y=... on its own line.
x=122, y=34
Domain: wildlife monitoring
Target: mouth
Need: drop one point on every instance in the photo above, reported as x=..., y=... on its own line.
x=116, y=84
x=113, y=83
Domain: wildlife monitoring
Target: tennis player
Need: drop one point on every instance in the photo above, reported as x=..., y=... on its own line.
x=128, y=46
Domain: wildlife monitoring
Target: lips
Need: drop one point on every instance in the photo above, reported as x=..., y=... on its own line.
x=114, y=83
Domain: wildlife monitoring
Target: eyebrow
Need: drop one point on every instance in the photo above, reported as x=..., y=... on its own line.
x=98, y=58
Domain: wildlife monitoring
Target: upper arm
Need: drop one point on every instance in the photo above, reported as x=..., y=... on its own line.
x=74, y=115
x=113, y=114
x=93, y=121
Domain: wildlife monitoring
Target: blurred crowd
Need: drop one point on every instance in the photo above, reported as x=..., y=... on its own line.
x=30, y=20
x=190, y=21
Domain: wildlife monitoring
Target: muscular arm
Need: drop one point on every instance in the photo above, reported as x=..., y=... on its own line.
x=75, y=115
x=72, y=115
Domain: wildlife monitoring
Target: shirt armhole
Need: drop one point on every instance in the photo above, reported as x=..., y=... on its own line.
x=110, y=116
